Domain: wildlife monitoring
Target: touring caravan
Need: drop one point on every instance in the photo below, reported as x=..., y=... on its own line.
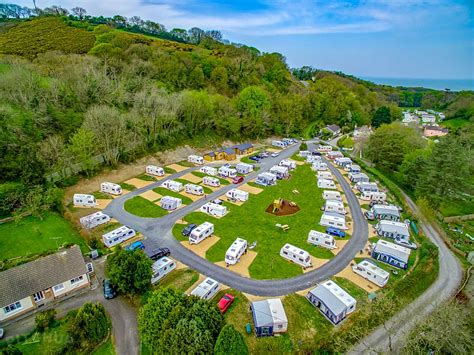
x=281, y=172
x=366, y=187
x=325, y=175
x=332, y=195
x=154, y=170
x=319, y=166
x=266, y=179
x=196, y=159
x=118, y=236
x=334, y=154
x=290, y=164
x=390, y=253
x=353, y=168
x=209, y=170
x=244, y=168
x=368, y=270
x=201, y=232
x=321, y=239
x=358, y=177
x=93, y=220
x=213, y=209
x=326, y=184
x=110, y=188
x=227, y=172
x=324, y=148
x=343, y=162
x=194, y=189
x=211, y=181
x=313, y=158
x=331, y=219
x=84, y=200
x=172, y=185
x=206, y=290
x=238, y=195
x=334, y=206
x=296, y=255
x=278, y=144
x=235, y=251
x=304, y=153
x=161, y=268
x=377, y=196
x=170, y=203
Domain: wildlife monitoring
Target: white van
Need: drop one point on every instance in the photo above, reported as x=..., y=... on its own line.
x=172, y=185
x=332, y=195
x=209, y=170
x=227, y=172
x=93, y=220
x=194, y=189
x=154, y=170
x=211, y=181
x=84, y=200
x=111, y=188
x=161, y=268
x=201, y=232
x=235, y=251
x=206, y=290
x=196, y=159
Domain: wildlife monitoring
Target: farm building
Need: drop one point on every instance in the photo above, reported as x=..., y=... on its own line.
x=84, y=200
x=321, y=239
x=390, y=253
x=29, y=286
x=331, y=219
x=117, y=236
x=196, y=159
x=343, y=162
x=392, y=229
x=244, y=168
x=334, y=206
x=194, y=189
x=201, y=232
x=236, y=194
x=326, y=184
x=387, y=212
x=374, y=196
x=269, y=317
x=319, y=166
x=296, y=255
x=278, y=144
x=170, y=203
x=366, y=187
x=353, y=168
x=161, y=268
x=266, y=179
x=207, y=289
x=93, y=220
x=213, y=209
x=110, y=188
x=325, y=175
x=227, y=172
x=332, y=301
x=368, y=270
x=154, y=170
x=172, y=185
x=208, y=170
x=235, y=251
x=334, y=154
x=358, y=177
x=281, y=172
x=211, y=181
x=324, y=148
x=290, y=164
x=332, y=195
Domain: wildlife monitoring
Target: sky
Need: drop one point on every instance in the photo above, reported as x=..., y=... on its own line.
x=370, y=38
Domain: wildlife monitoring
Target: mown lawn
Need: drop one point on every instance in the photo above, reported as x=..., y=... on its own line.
x=105, y=349
x=32, y=235
x=181, y=279
x=141, y=207
x=165, y=192
x=201, y=175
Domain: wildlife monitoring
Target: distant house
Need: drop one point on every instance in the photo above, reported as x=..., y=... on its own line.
x=269, y=317
x=28, y=286
x=435, y=131
x=333, y=129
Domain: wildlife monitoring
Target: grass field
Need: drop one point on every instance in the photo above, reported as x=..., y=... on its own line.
x=260, y=226
x=141, y=207
x=181, y=279
x=165, y=192
x=456, y=123
x=34, y=236
x=201, y=175
x=457, y=208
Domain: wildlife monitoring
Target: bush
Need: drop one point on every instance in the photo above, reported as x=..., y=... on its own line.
x=45, y=319
x=230, y=342
x=303, y=146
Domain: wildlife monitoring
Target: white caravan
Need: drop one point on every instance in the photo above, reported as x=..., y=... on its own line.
x=201, y=232
x=321, y=239
x=324, y=148
x=196, y=159
x=194, y=189
x=325, y=175
x=343, y=162
x=154, y=170
x=84, y=200
x=332, y=195
x=172, y=185
x=290, y=164
x=281, y=172
x=211, y=181
x=207, y=289
x=371, y=272
x=161, y=268
x=278, y=144
x=313, y=158
x=296, y=255
x=366, y=187
x=118, y=236
x=353, y=168
x=111, y=188
x=377, y=196
x=334, y=154
x=238, y=195
x=209, y=170
x=244, y=168
x=213, y=209
x=93, y=220
x=326, y=184
x=170, y=203
x=304, y=153
x=235, y=251
x=334, y=206
x=266, y=179
x=227, y=172
x=319, y=166
x=331, y=219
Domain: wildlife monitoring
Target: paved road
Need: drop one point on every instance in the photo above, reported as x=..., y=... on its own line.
x=159, y=231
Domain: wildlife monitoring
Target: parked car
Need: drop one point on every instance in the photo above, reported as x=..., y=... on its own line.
x=264, y=154
x=406, y=243
x=135, y=246
x=225, y=302
x=315, y=153
x=2, y=333
x=369, y=215
x=255, y=158
x=335, y=232
x=188, y=229
x=218, y=201
x=237, y=179
x=109, y=290
x=274, y=155
x=159, y=253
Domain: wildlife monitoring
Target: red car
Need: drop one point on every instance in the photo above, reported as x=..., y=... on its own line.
x=225, y=303
x=238, y=179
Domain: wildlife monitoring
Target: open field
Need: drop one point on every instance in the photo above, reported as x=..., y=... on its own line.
x=165, y=192
x=142, y=207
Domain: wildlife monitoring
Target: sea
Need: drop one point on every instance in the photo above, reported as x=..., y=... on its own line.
x=437, y=84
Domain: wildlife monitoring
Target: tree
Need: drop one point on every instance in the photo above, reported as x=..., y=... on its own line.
x=79, y=12
x=129, y=271
x=45, y=319
x=230, y=342
x=253, y=103
x=196, y=78
x=11, y=350
x=219, y=79
x=381, y=116
x=82, y=146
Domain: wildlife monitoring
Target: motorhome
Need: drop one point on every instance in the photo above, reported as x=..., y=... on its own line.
x=118, y=236
x=325, y=175
x=211, y=181
x=368, y=270
x=110, y=188
x=319, y=166
x=343, y=162
x=324, y=148
x=278, y=144
x=161, y=268
x=334, y=206
x=209, y=170
x=235, y=251
x=244, y=168
x=201, y=232
x=172, y=185
x=358, y=177
x=321, y=239
x=281, y=172
x=194, y=189
x=93, y=220
x=227, y=172
x=196, y=159
x=332, y=195
x=391, y=254
x=296, y=255
x=154, y=170
x=206, y=290
x=213, y=209
x=290, y=164
x=366, y=187
x=84, y=200
x=266, y=179
x=170, y=203
x=236, y=194
x=326, y=184
x=331, y=219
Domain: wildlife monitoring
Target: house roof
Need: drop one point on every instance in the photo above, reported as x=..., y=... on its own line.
x=229, y=151
x=243, y=146
x=25, y=280
x=211, y=154
x=333, y=127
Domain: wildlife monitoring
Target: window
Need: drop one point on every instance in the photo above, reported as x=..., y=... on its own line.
x=77, y=279
x=38, y=296
x=12, y=307
x=280, y=326
x=58, y=287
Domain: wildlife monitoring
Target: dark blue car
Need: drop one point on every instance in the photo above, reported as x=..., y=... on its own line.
x=108, y=288
x=335, y=232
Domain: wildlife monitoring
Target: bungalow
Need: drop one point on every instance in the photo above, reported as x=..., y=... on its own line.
x=394, y=230
x=387, y=212
x=269, y=317
x=221, y=154
x=435, y=131
x=408, y=119
x=31, y=285
x=358, y=177
x=390, y=253
x=333, y=129
x=243, y=149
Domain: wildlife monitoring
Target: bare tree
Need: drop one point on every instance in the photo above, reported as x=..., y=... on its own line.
x=79, y=12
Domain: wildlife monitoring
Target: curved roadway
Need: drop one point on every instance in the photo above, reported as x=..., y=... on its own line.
x=159, y=231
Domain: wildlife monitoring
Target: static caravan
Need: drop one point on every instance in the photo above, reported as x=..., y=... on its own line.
x=235, y=251
x=304, y=153
x=296, y=255
x=368, y=270
x=378, y=196
x=206, y=289
x=281, y=172
x=118, y=236
x=288, y=141
x=211, y=181
x=227, y=172
x=358, y=177
x=319, y=166
x=196, y=159
x=332, y=195
x=269, y=317
x=154, y=170
x=392, y=229
x=334, y=206
x=213, y=209
x=334, y=154
x=353, y=168
x=209, y=170
x=239, y=195
x=201, y=232
x=343, y=162
x=331, y=219
x=321, y=239
x=313, y=158
x=290, y=164
x=326, y=184
x=244, y=168
x=266, y=179
x=110, y=188
x=278, y=144
x=387, y=212
x=194, y=189
x=325, y=175
x=390, y=253
x=366, y=187
x=94, y=220
x=161, y=268
x=172, y=185
x=84, y=200
x=170, y=203
x=324, y=148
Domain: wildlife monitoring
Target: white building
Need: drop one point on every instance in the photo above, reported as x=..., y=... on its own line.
x=227, y=172
x=332, y=195
x=201, y=232
x=117, y=236
x=84, y=200
x=331, y=219
x=236, y=194
x=194, y=189
x=154, y=170
x=211, y=181
x=213, y=209
x=161, y=268
x=296, y=255
x=324, y=148
x=269, y=317
x=387, y=212
x=281, y=172
x=266, y=179
x=110, y=188
x=209, y=170
x=321, y=239
x=313, y=158
x=206, y=290
x=326, y=184
x=334, y=206
x=172, y=185
x=170, y=203
x=235, y=251
x=290, y=164
x=353, y=168
x=304, y=153
x=368, y=270
x=428, y=119
x=93, y=220
x=244, y=168
x=196, y=159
